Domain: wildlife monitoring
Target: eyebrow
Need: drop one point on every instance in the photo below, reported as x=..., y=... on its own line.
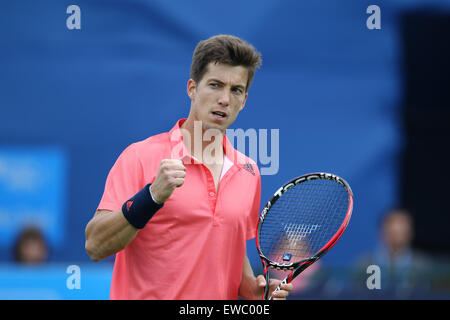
x=240, y=86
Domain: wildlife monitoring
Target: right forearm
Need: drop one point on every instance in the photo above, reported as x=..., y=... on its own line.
x=111, y=231
x=108, y=233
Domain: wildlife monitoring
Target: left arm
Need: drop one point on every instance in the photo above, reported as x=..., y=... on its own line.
x=248, y=289
x=252, y=288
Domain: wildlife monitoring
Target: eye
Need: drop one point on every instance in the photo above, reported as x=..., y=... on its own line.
x=237, y=90
x=214, y=85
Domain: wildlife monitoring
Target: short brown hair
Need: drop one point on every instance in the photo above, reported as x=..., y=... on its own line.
x=226, y=49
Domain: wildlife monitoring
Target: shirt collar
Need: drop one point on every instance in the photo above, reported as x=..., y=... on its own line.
x=179, y=150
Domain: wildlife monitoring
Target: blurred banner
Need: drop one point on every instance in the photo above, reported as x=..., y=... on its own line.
x=33, y=191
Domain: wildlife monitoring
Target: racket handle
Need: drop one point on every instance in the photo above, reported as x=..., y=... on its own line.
x=294, y=274
x=279, y=286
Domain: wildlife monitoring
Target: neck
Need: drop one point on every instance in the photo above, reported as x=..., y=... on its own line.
x=395, y=251
x=205, y=144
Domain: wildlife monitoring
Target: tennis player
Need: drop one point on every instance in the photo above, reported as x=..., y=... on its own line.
x=178, y=207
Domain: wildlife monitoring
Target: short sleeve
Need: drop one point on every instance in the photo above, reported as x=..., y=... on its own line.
x=124, y=180
x=253, y=217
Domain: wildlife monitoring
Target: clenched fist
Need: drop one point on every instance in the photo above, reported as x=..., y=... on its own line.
x=170, y=175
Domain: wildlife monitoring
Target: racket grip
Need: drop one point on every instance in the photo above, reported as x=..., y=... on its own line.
x=279, y=286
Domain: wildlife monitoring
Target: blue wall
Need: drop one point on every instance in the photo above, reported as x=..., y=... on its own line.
x=331, y=86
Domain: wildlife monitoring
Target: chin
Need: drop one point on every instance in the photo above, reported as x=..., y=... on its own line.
x=209, y=125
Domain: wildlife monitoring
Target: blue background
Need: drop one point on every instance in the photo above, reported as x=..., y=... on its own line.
x=328, y=83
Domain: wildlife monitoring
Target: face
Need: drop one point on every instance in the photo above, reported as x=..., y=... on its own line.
x=398, y=231
x=33, y=252
x=219, y=96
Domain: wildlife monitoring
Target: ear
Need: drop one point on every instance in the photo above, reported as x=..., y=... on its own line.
x=243, y=103
x=191, y=86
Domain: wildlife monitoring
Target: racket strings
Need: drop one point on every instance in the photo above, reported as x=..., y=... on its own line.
x=303, y=220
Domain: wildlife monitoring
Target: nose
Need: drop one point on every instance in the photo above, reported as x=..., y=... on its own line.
x=224, y=98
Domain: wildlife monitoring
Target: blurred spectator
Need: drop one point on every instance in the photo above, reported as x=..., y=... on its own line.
x=30, y=247
x=403, y=270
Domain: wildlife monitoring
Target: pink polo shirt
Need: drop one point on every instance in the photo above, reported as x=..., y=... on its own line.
x=194, y=246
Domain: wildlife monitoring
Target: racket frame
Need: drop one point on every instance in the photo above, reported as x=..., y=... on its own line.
x=298, y=266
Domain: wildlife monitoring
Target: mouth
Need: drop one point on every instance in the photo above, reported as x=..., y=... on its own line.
x=219, y=114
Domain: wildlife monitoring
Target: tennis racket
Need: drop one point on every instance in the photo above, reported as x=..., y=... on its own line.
x=301, y=222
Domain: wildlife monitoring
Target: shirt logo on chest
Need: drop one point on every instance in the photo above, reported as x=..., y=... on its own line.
x=249, y=168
